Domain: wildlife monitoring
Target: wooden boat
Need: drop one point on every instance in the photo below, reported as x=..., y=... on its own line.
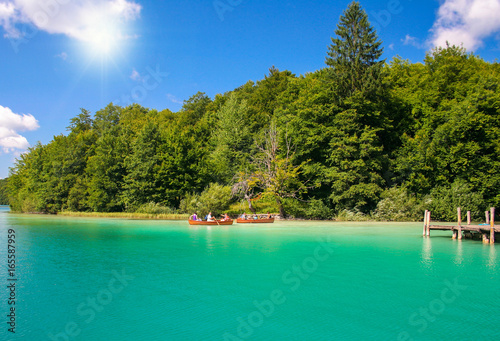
x=204, y=222
x=254, y=221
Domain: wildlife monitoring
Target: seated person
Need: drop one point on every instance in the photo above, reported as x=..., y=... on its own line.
x=209, y=217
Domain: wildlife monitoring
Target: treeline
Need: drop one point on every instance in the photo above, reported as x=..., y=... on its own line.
x=4, y=200
x=361, y=138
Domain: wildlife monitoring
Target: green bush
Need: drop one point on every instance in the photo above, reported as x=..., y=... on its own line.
x=215, y=198
x=398, y=205
x=155, y=208
x=312, y=209
x=262, y=205
x=444, y=200
x=352, y=215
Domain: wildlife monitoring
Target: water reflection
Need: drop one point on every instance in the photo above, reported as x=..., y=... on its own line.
x=492, y=259
x=427, y=256
x=209, y=240
x=459, y=254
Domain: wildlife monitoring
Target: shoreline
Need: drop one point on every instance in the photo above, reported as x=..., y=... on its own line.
x=125, y=215
x=164, y=216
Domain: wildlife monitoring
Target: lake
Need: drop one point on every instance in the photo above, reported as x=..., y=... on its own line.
x=96, y=279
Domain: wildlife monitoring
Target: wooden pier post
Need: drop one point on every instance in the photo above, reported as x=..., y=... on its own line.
x=424, y=233
x=428, y=224
x=468, y=217
x=458, y=231
x=487, y=214
x=492, y=225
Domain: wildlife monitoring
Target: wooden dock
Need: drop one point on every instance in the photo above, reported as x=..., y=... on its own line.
x=485, y=232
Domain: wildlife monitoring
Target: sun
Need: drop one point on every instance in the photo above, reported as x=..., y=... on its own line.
x=103, y=44
x=102, y=37
x=105, y=29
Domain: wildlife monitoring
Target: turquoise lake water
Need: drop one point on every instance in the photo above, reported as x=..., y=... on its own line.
x=95, y=279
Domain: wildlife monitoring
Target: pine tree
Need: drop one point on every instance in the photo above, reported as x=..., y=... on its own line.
x=353, y=55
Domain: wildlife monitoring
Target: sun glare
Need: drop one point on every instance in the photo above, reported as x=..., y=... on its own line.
x=103, y=41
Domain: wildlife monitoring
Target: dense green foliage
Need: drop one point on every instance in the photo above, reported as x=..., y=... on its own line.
x=4, y=199
x=358, y=139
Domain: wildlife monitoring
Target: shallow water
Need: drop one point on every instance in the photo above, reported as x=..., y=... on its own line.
x=95, y=279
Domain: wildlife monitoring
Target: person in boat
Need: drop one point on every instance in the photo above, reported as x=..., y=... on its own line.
x=209, y=217
x=255, y=217
x=225, y=217
x=269, y=215
x=194, y=216
x=243, y=216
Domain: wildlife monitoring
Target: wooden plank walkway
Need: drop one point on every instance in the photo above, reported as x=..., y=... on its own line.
x=473, y=228
x=486, y=232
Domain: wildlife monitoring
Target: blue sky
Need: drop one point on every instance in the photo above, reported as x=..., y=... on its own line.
x=58, y=56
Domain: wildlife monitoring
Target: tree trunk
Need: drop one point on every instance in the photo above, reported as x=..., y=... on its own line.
x=280, y=206
x=250, y=206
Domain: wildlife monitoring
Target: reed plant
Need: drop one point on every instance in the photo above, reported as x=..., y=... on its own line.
x=126, y=215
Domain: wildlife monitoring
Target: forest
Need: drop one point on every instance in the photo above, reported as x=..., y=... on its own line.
x=362, y=138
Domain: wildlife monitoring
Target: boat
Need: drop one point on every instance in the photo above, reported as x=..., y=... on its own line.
x=254, y=221
x=215, y=222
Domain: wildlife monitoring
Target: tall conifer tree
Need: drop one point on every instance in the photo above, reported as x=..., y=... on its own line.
x=354, y=54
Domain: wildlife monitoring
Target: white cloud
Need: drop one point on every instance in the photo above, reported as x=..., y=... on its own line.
x=10, y=124
x=7, y=15
x=84, y=20
x=136, y=76
x=129, y=10
x=413, y=41
x=62, y=55
x=466, y=22
x=174, y=99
